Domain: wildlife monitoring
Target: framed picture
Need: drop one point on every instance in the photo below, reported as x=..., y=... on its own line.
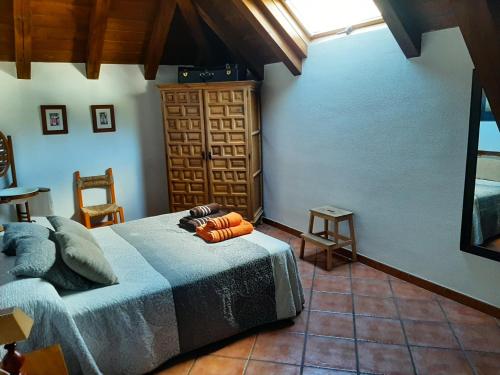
x=103, y=118
x=54, y=120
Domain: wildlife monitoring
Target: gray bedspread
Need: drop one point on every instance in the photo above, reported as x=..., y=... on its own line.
x=486, y=211
x=176, y=293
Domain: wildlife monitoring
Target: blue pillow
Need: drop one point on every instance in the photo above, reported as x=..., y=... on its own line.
x=42, y=258
x=16, y=231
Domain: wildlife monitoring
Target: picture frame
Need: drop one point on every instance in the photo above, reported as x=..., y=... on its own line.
x=54, y=119
x=103, y=118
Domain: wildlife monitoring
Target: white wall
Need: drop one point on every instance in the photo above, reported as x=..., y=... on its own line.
x=366, y=129
x=135, y=151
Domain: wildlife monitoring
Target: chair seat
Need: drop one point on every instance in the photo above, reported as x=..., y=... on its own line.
x=101, y=209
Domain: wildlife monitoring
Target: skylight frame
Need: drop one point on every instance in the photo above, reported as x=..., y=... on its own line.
x=343, y=30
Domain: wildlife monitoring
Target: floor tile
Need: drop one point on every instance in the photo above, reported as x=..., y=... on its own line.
x=307, y=281
x=307, y=297
x=260, y=368
x=384, y=359
x=425, y=310
x=359, y=270
x=299, y=323
x=324, y=371
x=440, y=362
x=337, y=270
x=181, y=368
x=372, y=288
x=461, y=314
x=402, y=289
x=331, y=302
x=484, y=337
x=331, y=324
x=430, y=334
x=305, y=267
x=332, y=284
x=372, y=306
x=485, y=363
x=328, y=352
x=237, y=349
x=279, y=347
x=212, y=365
x=386, y=331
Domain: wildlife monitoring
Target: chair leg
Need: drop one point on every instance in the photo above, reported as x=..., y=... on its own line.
x=86, y=221
x=353, y=239
x=122, y=215
x=114, y=216
x=326, y=228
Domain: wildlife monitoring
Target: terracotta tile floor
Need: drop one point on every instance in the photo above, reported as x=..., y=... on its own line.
x=357, y=321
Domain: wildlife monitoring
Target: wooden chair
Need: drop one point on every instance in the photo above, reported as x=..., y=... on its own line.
x=110, y=209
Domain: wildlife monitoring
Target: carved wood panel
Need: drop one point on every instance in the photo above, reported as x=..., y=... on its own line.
x=185, y=146
x=227, y=141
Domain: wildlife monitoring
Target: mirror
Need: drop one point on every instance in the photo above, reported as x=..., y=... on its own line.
x=4, y=155
x=481, y=213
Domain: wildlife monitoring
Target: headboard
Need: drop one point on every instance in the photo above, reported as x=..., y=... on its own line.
x=488, y=165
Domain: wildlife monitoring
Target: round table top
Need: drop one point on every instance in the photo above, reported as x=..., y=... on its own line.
x=18, y=192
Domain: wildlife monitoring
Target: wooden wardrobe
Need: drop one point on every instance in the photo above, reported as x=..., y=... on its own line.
x=213, y=145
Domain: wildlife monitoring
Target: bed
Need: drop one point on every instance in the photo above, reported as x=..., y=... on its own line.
x=176, y=293
x=486, y=211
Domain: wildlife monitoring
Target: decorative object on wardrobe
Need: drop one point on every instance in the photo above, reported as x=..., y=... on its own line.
x=322, y=239
x=103, y=118
x=110, y=209
x=213, y=146
x=15, y=325
x=13, y=194
x=54, y=119
x=228, y=72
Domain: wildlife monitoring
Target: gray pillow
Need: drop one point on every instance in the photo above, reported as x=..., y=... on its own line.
x=16, y=231
x=41, y=258
x=62, y=224
x=85, y=258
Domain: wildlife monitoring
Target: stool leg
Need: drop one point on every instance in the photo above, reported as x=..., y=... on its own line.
x=303, y=242
x=353, y=239
x=329, y=260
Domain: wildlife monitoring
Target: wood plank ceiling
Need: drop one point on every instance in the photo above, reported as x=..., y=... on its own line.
x=213, y=32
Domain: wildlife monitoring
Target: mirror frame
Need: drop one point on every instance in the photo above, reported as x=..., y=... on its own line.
x=470, y=174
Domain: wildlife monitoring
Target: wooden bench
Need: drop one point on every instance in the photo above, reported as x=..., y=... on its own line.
x=326, y=239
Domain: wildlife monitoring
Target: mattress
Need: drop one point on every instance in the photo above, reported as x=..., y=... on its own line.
x=176, y=293
x=486, y=211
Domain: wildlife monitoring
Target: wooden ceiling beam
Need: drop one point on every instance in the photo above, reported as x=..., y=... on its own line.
x=277, y=13
x=158, y=39
x=22, y=37
x=477, y=22
x=193, y=20
x=233, y=44
x=406, y=33
x=270, y=35
x=97, y=29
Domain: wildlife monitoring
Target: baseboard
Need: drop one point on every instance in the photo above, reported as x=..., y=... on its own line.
x=426, y=284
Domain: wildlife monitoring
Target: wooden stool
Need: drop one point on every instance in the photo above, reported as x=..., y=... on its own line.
x=335, y=215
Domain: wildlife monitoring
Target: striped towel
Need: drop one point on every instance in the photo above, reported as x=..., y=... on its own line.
x=205, y=210
x=232, y=219
x=191, y=223
x=219, y=235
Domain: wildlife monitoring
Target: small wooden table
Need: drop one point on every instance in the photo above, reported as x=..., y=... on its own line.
x=322, y=239
x=48, y=361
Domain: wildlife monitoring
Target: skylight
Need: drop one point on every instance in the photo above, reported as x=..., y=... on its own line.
x=326, y=16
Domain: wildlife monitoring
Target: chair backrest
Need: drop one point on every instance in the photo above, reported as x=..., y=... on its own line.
x=105, y=181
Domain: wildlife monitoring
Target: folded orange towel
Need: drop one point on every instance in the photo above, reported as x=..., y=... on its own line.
x=232, y=219
x=219, y=235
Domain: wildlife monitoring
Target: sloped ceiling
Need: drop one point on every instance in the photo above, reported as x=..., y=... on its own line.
x=212, y=32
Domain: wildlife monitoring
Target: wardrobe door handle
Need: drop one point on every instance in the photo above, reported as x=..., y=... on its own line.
x=209, y=155
x=204, y=155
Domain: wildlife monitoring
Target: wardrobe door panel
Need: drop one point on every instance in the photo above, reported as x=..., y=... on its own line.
x=227, y=144
x=185, y=147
